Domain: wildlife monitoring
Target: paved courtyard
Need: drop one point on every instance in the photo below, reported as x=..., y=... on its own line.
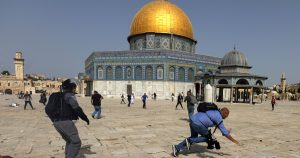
x=145, y=133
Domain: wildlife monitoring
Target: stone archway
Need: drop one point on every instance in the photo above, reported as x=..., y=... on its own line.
x=242, y=91
x=8, y=91
x=222, y=85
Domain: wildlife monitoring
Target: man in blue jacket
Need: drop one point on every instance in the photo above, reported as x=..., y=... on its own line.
x=199, y=124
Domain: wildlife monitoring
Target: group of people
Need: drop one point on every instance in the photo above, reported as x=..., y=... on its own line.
x=28, y=99
x=69, y=110
x=131, y=99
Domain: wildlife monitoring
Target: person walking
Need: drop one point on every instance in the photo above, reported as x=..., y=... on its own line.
x=191, y=101
x=62, y=108
x=27, y=98
x=179, y=101
x=129, y=99
x=43, y=98
x=144, y=99
x=122, y=99
x=273, y=102
x=199, y=124
x=96, y=102
x=154, y=96
x=132, y=98
x=172, y=97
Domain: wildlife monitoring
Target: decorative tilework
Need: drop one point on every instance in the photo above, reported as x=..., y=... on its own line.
x=150, y=41
x=165, y=43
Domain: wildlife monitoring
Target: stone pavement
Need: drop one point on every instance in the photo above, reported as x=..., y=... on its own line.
x=149, y=133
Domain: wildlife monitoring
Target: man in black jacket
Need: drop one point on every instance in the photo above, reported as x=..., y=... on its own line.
x=62, y=113
x=96, y=102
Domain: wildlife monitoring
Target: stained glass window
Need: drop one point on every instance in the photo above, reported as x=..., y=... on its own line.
x=149, y=73
x=119, y=73
x=190, y=75
x=171, y=73
x=100, y=73
x=128, y=74
x=181, y=74
x=109, y=73
x=138, y=73
x=160, y=73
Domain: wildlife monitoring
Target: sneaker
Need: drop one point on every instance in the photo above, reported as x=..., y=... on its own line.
x=188, y=144
x=175, y=151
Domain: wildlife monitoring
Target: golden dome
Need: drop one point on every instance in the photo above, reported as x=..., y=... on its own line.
x=161, y=16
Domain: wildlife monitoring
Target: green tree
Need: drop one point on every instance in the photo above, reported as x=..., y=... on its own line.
x=5, y=72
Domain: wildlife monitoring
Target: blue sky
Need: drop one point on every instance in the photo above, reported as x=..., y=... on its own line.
x=56, y=36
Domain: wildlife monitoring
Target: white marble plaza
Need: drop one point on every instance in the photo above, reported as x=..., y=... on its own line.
x=144, y=133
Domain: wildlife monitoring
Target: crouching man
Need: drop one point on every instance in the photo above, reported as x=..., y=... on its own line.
x=199, y=124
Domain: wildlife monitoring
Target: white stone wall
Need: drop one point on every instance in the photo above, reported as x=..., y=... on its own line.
x=163, y=89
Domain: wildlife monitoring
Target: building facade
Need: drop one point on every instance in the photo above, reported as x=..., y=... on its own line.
x=161, y=58
x=234, y=82
x=14, y=84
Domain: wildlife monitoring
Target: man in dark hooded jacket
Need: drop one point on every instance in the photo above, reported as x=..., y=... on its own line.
x=63, y=114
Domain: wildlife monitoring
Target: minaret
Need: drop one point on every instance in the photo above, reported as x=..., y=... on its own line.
x=283, y=82
x=19, y=66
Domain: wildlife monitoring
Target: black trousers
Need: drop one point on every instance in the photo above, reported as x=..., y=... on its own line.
x=27, y=102
x=179, y=102
x=129, y=102
x=144, y=104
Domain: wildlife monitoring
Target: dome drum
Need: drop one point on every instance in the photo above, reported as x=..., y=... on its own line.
x=160, y=41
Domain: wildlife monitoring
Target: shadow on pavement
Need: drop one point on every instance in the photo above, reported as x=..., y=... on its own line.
x=201, y=151
x=185, y=119
x=85, y=150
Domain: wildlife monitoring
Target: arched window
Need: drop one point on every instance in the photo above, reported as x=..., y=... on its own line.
x=119, y=73
x=181, y=74
x=160, y=73
x=109, y=73
x=242, y=82
x=190, y=75
x=149, y=73
x=259, y=83
x=171, y=73
x=128, y=73
x=100, y=73
x=222, y=81
x=138, y=73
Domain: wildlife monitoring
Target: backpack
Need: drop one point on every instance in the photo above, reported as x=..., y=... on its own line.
x=203, y=107
x=194, y=100
x=273, y=101
x=54, y=105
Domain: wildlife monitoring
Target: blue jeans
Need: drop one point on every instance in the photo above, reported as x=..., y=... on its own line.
x=195, y=131
x=190, y=111
x=97, y=112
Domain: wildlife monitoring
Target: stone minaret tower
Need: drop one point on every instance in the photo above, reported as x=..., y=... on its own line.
x=283, y=83
x=19, y=66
